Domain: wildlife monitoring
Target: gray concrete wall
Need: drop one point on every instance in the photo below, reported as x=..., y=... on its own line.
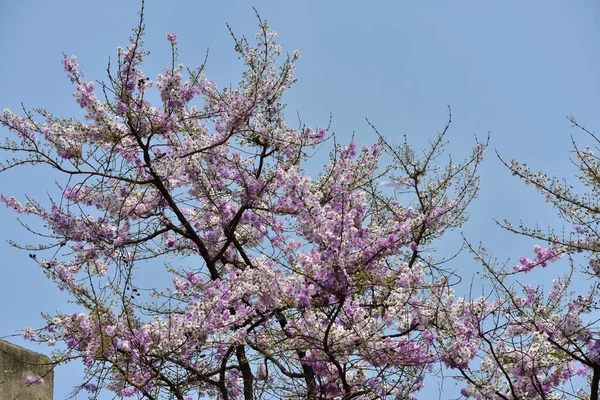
x=16, y=363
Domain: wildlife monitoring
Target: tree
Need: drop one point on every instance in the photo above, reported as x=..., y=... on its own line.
x=291, y=286
x=534, y=343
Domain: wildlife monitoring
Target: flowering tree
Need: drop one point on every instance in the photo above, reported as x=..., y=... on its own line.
x=291, y=286
x=534, y=343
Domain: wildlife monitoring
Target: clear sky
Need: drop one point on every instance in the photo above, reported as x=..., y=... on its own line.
x=513, y=68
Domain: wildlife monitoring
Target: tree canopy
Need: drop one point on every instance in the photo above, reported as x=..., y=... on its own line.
x=282, y=284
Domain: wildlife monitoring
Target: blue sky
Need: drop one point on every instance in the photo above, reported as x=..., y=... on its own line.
x=512, y=68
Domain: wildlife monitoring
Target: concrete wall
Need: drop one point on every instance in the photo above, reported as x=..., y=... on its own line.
x=16, y=363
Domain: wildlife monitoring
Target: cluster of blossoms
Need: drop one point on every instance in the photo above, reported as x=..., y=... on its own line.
x=542, y=257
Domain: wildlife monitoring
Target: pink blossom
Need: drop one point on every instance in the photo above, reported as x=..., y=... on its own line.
x=34, y=380
x=171, y=37
x=128, y=392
